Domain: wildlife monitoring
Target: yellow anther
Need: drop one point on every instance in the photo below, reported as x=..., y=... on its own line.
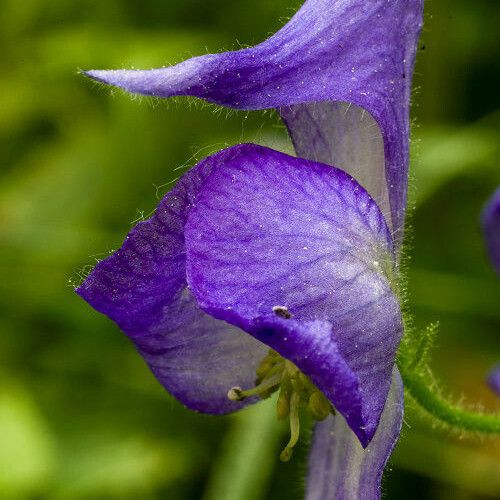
x=235, y=394
x=267, y=386
x=318, y=406
x=295, y=389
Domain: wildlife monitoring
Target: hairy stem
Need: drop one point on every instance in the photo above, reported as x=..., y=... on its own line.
x=435, y=405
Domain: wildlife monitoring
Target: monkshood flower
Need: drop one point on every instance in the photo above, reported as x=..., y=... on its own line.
x=491, y=227
x=260, y=272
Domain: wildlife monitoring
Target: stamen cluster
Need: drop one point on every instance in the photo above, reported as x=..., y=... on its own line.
x=296, y=391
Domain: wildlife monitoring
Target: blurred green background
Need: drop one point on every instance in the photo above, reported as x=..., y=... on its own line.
x=80, y=414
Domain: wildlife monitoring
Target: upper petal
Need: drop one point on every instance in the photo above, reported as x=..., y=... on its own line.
x=491, y=227
x=354, y=51
x=339, y=468
x=142, y=287
x=270, y=230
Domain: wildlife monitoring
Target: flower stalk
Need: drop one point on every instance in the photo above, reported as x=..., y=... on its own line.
x=427, y=398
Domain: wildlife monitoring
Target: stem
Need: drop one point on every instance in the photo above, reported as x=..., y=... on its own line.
x=244, y=467
x=445, y=411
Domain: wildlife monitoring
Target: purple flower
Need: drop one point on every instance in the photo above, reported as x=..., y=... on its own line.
x=494, y=379
x=491, y=227
x=256, y=250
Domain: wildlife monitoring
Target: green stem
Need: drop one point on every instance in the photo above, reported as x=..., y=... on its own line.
x=445, y=411
x=244, y=467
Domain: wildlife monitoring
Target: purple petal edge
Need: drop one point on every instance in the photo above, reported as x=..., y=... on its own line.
x=269, y=229
x=491, y=227
x=329, y=239
x=356, y=52
x=494, y=380
x=142, y=287
x=339, y=468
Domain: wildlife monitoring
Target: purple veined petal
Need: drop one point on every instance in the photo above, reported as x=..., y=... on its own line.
x=339, y=468
x=198, y=358
x=142, y=287
x=491, y=227
x=345, y=51
x=494, y=380
x=267, y=230
x=344, y=135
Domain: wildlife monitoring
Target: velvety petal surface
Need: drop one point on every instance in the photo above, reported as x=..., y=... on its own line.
x=344, y=135
x=491, y=227
x=271, y=230
x=346, y=51
x=339, y=468
x=142, y=287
